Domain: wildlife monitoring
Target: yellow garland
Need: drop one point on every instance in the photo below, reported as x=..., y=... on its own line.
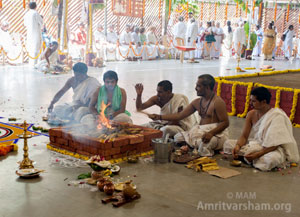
x=11, y=59
x=219, y=87
x=259, y=74
x=83, y=157
x=233, y=99
x=34, y=58
x=249, y=88
x=65, y=28
x=278, y=89
x=295, y=101
x=277, y=98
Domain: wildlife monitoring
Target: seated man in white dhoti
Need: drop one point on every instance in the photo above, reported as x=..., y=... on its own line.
x=212, y=131
x=273, y=144
x=125, y=39
x=152, y=49
x=136, y=43
x=49, y=59
x=83, y=86
x=112, y=39
x=169, y=103
x=110, y=98
x=11, y=47
x=100, y=42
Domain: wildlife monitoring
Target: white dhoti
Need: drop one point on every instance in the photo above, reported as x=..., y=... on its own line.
x=199, y=48
x=264, y=163
x=172, y=130
x=151, y=51
x=81, y=98
x=100, y=48
x=191, y=44
x=171, y=107
x=218, y=46
x=288, y=44
x=66, y=112
x=273, y=129
x=33, y=23
x=124, y=52
x=193, y=138
x=111, y=51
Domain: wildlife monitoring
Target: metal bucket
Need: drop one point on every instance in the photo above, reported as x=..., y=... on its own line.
x=162, y=151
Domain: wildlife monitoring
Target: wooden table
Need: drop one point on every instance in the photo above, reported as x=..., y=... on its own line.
x=184, y=49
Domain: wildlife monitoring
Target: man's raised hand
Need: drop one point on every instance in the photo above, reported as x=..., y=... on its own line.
x=139, y=88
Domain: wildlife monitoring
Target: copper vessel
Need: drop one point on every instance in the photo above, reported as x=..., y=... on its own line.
x=128, y=190
x=109, y=188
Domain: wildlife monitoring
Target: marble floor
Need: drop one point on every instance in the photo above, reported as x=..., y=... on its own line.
x=166, y=189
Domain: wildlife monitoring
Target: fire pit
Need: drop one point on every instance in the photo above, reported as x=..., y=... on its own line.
x=110, y=141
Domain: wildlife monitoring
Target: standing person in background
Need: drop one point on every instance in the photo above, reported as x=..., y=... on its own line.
x=219, y=36
x=227, y=43
x=288, y=42
x=209, y=39
x=239, y=40
x=275, y=49
x=34, y=24
x=269, y=42
x=258, y=45
x=200, y=41
x=191, y=35
x=179, y=30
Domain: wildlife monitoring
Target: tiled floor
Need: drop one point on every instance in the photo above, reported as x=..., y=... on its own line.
x=167, y=190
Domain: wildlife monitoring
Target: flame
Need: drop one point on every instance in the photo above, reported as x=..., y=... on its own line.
x=103, y=121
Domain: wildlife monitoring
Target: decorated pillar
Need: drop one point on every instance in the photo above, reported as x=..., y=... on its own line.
x=63, y=38
x=89, y=46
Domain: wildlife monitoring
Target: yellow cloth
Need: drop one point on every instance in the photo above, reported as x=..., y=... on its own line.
x=269, y=43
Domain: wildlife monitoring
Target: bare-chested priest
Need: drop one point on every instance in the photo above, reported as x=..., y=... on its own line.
x=83, y=86
x=212, y=131
x=169, y=103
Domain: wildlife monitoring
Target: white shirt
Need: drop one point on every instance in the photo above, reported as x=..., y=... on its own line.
x=33, y=23
x=151, y=38
x=239, y=36
x=125, y=38
x=289, y=36
x=135, y=38
x=219, y=31
x=192, y=31
x=99, y=37
x=179, y=30
x=112, y=37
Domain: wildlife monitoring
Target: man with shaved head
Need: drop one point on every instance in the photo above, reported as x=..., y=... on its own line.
x=83, y=87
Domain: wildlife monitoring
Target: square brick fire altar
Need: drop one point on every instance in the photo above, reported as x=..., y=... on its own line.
x=65, y=138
